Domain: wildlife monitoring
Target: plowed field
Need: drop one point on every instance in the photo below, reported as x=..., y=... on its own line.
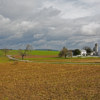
x=38, y=81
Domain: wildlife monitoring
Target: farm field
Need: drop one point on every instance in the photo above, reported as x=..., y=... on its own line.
x=47, y=81
x=50, y=56
x=55, y=58
x=32, y=52
x=43, y=81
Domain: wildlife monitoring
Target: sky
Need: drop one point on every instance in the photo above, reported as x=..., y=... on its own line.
x=49, y=24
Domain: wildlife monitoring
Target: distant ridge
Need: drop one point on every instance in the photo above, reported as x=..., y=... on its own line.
x=46, y=49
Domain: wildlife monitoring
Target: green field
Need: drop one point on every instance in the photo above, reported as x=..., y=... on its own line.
x=46, y=56
x=36, y=52
x=31, y=52
x=4, y=59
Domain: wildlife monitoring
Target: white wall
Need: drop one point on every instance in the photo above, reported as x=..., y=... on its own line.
x=83, y=52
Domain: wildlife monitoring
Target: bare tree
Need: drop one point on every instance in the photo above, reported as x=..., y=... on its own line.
x=63, y=52
x=24, y=52
x=5, y=50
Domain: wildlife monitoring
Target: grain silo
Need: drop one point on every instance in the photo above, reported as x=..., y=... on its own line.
x=96, y=49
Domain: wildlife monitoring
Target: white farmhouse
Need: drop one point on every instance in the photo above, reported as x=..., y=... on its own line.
x=99, y=53
x=83, y=52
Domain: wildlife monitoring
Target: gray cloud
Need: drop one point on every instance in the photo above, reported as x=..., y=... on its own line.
x=49, y=24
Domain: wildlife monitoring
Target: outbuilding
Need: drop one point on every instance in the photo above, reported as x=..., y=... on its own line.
x=83, y=52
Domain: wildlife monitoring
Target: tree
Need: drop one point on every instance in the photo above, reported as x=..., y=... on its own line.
x=69, y=53
x=63, y=52
x=88, y=49
x=77, y=52
x=24, y=52
x=5, y=50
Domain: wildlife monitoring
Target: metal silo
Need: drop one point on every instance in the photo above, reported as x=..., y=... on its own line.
x=96, y=49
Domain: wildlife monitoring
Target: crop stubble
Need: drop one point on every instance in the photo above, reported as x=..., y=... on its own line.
x=38, y=81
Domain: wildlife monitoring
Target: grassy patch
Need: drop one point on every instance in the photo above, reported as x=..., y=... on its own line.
x=10, y=52
x=67, y=60
x=4, y=59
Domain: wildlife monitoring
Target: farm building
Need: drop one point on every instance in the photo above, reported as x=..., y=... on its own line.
x=95, y=51
x=83, y=52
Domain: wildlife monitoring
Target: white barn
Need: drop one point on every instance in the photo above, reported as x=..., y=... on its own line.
x=83, y=52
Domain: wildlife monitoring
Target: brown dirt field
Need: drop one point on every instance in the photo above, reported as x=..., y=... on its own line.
x=93, y=60
x=37, y=81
